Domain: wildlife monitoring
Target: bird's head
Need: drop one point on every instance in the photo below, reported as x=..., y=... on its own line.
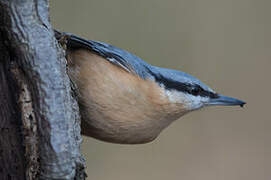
x=191, y=93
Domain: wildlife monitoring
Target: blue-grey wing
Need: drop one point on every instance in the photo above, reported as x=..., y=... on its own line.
x=116, y=56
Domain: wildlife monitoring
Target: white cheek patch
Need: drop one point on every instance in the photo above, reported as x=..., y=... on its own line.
x=189, y=101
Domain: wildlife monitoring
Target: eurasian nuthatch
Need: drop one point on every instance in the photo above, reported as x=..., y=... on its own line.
x=123, y=99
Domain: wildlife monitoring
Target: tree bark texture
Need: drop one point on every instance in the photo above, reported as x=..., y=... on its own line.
x=39, y=118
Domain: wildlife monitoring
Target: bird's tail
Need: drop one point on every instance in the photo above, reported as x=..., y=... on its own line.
x=72, y=41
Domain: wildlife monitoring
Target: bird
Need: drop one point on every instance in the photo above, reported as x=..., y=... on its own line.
x=122, y=99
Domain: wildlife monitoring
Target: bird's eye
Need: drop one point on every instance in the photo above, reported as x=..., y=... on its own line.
x=195, y=91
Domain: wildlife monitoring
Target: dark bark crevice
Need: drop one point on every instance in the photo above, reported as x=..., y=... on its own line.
x=29, y=123
x=12, y=159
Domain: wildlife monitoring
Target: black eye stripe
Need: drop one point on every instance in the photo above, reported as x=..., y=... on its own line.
x=193, y=89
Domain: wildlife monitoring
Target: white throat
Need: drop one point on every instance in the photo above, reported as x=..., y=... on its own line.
x=190, y=102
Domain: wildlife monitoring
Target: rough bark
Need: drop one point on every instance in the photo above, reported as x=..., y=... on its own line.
x=39, y=119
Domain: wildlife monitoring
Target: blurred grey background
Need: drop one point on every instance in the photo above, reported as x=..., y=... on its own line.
x=226, y=44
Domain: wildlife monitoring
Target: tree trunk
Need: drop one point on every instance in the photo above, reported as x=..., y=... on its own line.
x=39, y=119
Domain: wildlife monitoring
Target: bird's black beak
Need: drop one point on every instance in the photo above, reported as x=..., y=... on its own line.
x=225, y=101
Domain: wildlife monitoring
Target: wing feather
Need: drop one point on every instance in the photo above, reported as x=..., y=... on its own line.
x=105, y=50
